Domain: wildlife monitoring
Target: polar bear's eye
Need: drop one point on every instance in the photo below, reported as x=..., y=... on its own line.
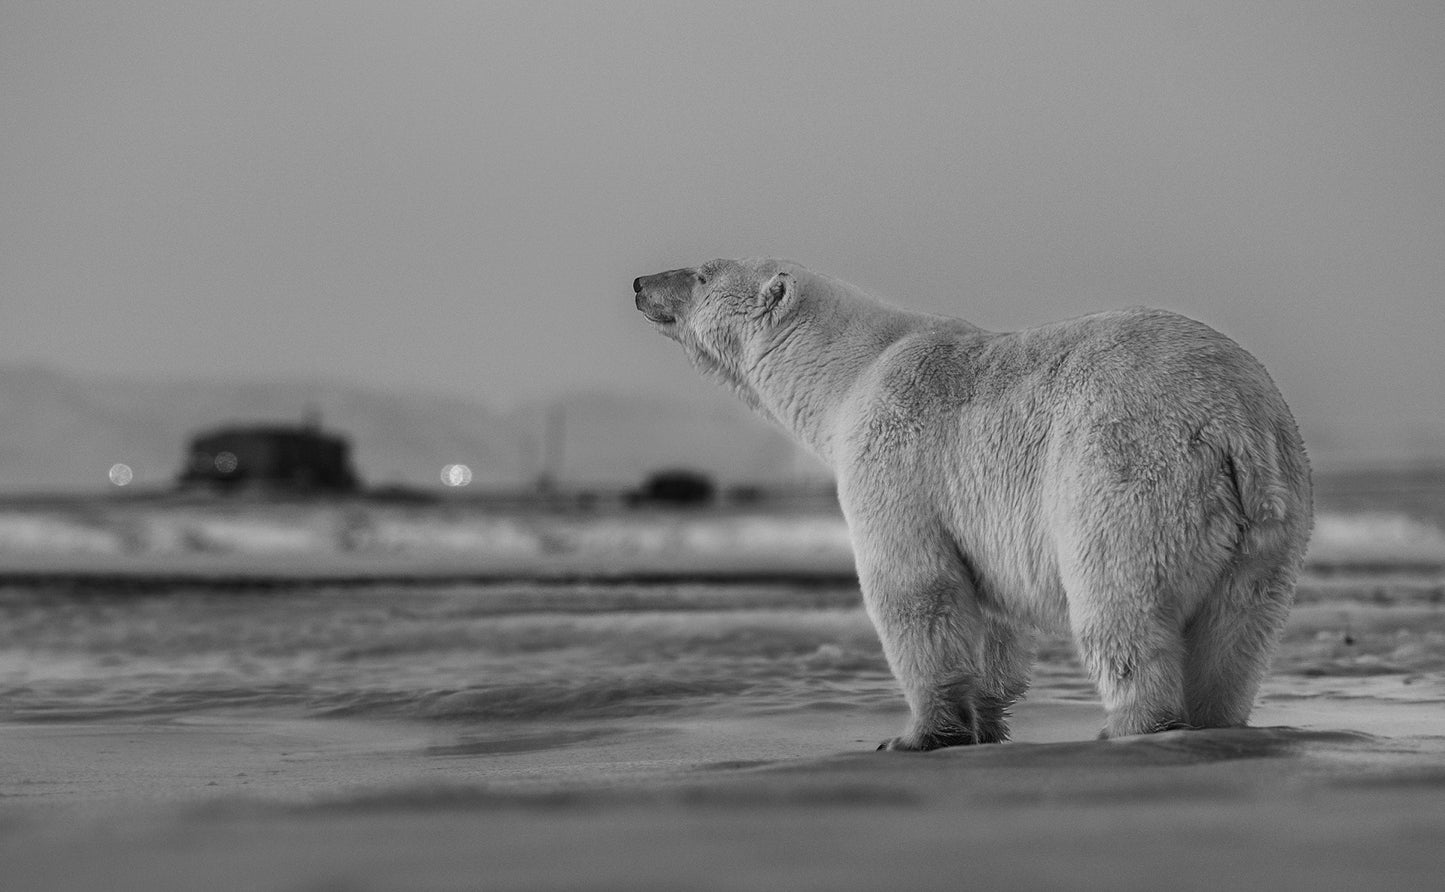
x=701, y=279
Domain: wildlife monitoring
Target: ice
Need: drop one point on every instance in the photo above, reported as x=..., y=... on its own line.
x=1381, y=535
x=27, y=532
x=481, y=532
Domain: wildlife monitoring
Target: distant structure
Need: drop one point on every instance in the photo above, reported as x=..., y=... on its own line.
x=287, y=458
x=678, y=487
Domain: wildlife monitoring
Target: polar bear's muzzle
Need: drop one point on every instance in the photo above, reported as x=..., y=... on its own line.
x=663, y=297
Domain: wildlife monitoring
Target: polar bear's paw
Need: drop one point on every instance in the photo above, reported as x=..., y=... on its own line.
x=970, y=719
x=938, y=738
x=920, y=743
x=1157, y=728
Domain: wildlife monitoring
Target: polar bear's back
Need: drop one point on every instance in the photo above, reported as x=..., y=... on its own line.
x=1144, y=391
x=1127, y=382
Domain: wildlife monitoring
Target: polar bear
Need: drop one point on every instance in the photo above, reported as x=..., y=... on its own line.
x=1132, y=476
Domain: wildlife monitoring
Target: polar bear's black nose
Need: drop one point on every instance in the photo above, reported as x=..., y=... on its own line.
x=637, y=285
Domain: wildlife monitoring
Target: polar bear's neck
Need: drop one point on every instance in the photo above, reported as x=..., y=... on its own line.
x=805, y=373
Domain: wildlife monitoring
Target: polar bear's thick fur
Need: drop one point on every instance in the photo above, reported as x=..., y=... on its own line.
x=1133, y=476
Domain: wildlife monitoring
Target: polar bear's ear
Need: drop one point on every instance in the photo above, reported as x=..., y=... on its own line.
x=778, y=291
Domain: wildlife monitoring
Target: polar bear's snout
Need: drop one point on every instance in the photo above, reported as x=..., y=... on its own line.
x=662, y=297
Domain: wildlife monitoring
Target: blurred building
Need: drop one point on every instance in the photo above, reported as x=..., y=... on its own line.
x=676, y=487
x=300, y=458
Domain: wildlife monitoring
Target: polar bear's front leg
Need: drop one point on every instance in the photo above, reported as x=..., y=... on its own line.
x=927, y=615
x=929, y=632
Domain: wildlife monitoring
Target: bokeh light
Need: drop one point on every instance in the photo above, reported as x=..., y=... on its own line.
x=456, y=475
x=121, y=474
x=226, y=462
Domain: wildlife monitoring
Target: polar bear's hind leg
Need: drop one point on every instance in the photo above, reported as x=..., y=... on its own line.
x=1126, y=611
x=1139, y=672
x=1229, y=640
x=1228, y=644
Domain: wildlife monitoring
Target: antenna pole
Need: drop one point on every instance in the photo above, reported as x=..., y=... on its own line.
x=553, y=442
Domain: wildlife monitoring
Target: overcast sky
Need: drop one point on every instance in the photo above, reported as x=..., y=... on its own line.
x=456, y=197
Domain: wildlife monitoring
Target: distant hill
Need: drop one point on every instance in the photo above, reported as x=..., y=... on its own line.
x=62, y=431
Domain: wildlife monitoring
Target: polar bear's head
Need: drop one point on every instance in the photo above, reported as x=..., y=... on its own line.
x=725, y=313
